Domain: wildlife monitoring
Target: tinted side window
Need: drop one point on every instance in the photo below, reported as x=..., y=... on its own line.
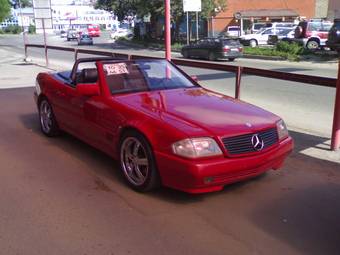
x=337, y=25
x=313, y=26
x=202, y=42
x=326, y=27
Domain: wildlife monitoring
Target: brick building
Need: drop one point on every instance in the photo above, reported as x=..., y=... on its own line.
x=266, y=11
x=333, y=9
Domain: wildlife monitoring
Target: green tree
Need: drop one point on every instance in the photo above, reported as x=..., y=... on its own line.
x=4, y=9
x=155, y=8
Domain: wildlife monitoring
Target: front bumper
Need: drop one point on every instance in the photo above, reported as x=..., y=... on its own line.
x=199, y=176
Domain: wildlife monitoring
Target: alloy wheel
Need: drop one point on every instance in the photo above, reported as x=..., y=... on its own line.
x=46, y=118
x=134, y=161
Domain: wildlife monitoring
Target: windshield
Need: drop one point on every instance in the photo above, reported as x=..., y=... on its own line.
x=143, y=75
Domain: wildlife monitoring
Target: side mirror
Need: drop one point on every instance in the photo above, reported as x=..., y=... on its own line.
x=194, y=77
x=87, y=89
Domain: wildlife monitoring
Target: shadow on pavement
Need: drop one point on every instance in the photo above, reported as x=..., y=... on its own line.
x=307, y=219
x=215, y=76
x=291, y=69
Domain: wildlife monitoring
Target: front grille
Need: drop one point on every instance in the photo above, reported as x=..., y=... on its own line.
x=242, y=144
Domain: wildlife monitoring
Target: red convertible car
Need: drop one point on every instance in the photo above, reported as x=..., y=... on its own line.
x=163, y=127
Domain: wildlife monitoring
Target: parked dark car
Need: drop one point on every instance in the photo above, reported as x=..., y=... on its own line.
x=312, y=34
x=334, y=36
x=85, y=39
x=213, y=49
x=72, y=34
x=63, y=34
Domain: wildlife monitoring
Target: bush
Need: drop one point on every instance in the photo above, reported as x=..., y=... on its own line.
x=290, y=51
x=2, y=31
x=31, y=29
x=13, y=29
x=290, y=48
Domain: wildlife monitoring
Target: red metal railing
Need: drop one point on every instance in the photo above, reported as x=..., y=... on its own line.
x=308, y=79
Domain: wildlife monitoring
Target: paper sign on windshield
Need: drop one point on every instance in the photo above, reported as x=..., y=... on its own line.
x=118, y=68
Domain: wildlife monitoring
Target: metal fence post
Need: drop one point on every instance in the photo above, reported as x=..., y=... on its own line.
x=75, y=54
x=26, y=55
x=238, y=82
x=335, y=144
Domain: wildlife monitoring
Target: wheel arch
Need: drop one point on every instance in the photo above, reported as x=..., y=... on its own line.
x=157, y=181
x=132, y=128
x=40, y=98
x=255, y=40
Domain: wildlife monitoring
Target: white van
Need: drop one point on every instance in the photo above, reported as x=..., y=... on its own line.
x=233, y=31
x=261, y=37
x=259, y=25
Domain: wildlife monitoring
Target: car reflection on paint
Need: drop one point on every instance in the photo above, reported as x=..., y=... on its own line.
x=163, y=127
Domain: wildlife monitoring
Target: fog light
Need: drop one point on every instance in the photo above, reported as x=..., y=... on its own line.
x=208, y=180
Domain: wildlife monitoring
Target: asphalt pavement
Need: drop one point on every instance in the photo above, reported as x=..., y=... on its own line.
x=61, y=196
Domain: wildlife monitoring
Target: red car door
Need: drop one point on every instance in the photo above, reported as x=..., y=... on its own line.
x=100, y=123
x=63, y=97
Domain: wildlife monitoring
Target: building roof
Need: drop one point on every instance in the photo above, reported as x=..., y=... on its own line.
x=269, y=13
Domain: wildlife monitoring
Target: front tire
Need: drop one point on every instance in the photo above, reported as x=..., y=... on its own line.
x=253, y=43
x=185, y=54
x=48, y=123
x=231, y=59
x=138, y=163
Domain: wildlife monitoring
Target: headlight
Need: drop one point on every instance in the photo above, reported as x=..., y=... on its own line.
x=196, y=147
x=281, y=129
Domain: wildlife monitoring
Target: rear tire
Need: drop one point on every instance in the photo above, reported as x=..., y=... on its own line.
x=253, y=43
x=138, y=163
x=312, y=45
x=48, y=122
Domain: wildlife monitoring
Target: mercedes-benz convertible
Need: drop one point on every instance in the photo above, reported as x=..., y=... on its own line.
x=163, y=127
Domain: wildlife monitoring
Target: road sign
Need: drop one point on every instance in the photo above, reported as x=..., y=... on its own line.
x=42, y=13
x=192, y=5
x=42, y=9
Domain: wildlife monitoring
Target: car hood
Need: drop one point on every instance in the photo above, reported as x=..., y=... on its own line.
x=201, y=109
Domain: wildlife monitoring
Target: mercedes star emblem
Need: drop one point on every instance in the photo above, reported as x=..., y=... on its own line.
x=257, y=142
